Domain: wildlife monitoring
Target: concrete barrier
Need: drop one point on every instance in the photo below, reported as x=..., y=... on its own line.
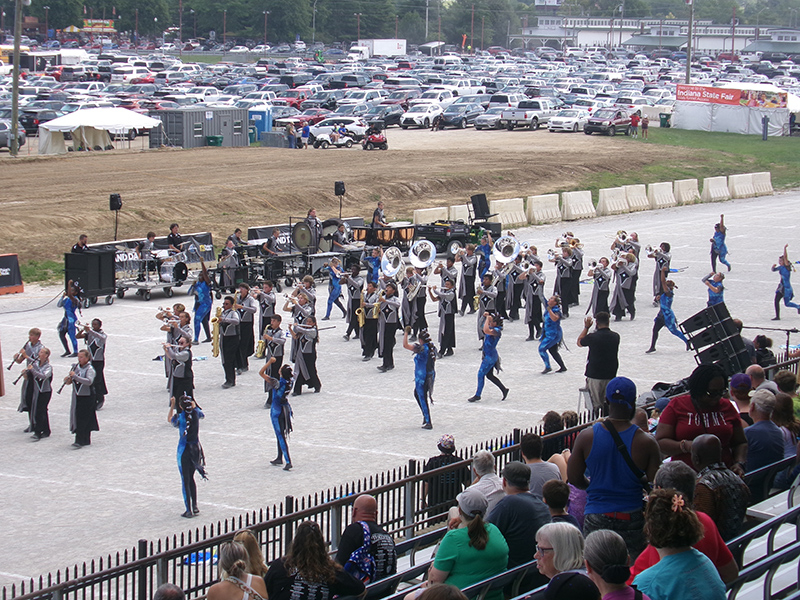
x=510, y=212
x=459, y=213
x=430, y=215
x=577, y=205
x=685, y=191
x=612, y=201
x=543, y=209
x=715, y=189
x=741, y=186
x=636, y=196
x=660, y=195
x=762, y=183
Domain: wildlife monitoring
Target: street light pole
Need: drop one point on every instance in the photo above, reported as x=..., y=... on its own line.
x=46, y=22
x=13, y=147
x=224, y=29
x=266, y=14
x=194, y=14
x=427, y=4
x=136, y=29
x=180, y=28
x=688, y=78
x=358, y=25
x=314, y=24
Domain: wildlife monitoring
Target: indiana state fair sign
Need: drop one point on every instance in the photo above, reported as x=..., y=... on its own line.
x=750, y=98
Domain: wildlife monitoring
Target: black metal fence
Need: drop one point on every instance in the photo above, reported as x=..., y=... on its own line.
x=189, y=559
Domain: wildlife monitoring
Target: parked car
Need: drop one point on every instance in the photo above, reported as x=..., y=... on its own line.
x=528, y=113
x=402, y=97
x=443, y=98
x=420, y=115
x=461, y=115
x=609, y=121
x=327, y=99
x=5, y=135
x=390, y=114
x=569, y=119
x=31, y=119
x=490, y=119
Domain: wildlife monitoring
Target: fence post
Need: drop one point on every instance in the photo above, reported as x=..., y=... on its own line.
x=56, y=595
x=517, y=435
x=142, y=582
x=161, y=572
x=288, y=532
x=336, y=526
x=410, y=500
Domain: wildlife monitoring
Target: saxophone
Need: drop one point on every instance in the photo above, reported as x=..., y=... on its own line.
x=261, y=348
x=377, y=308
x=215, y=333
x=362, y=317
x=476, y=301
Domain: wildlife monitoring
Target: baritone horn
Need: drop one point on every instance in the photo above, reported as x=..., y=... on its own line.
x=261, y=347
x=215, y=333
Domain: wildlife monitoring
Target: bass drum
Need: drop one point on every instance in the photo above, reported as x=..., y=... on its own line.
x=172, y=272
x=329, y=227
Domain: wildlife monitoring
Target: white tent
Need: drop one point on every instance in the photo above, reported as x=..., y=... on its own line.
x=91, y=128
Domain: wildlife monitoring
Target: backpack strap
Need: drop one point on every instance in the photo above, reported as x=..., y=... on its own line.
x=640, y=475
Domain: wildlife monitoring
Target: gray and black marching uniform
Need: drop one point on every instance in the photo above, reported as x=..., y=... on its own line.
x=182, y=375
x=407, y=306
x=369, y=333
x=229, y=259
x=447, y=320
x=663, y=259
x=41, y=380
x=577, y=271
x=274, y=349
x=486, y=303
x=315, y=226
x=311, y=296
x=299, y=316
x=354, y=287
x=624, y=295
x=83, y=411
x=499, y=282
x=267, y=303
x=450, y=273
x=305, y=365
x=26, y=393
x=563, y=284
x=534, y=301
x=602, y=283
x=96, y=344
x=388, y=324
x=229, y=331
x=633, y=248
x=466, y=287
x=420, y=300
x=175, y=333
x=338, y=238
x=247, y=315
x=514, y=292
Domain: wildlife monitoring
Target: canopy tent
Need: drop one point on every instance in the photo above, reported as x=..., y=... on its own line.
x=90, y=128
x=71, y=29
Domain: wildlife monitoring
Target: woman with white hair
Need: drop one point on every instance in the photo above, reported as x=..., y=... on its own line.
x=559, y=548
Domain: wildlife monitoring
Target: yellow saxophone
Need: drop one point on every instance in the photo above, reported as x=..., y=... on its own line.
x=215, y=333
x=377, y=308
x=362, y=317
x=261, y=348
x=476, y=301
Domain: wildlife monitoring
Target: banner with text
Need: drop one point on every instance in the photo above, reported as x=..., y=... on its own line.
x=711, y=95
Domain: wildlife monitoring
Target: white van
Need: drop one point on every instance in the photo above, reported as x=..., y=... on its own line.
x=447, y=62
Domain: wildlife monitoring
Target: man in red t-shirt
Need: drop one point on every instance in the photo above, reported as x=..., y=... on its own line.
x=681, y=477
x=634, y=128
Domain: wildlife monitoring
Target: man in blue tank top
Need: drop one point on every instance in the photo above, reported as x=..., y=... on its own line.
x=614, y=490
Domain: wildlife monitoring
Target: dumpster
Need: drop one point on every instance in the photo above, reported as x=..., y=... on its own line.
x=665, y=119
x=213, y=140
x=251, y=131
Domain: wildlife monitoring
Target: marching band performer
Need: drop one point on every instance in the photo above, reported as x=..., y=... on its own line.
x=515, y=287
x=577, y=270
x=305, y=362
x=716, y=290
x=624, y=299
x=718, y=247
x=663, y=259
x=29, y=353
x=601, y=274
x=201, y=289
x=82, y=413
x=447, y=316
x=533, y=280
x=466, y=287
x=499, y=280
x=485, y=253
x=334, y=289
x=420, y=321
x=276, y=340
x=96, y=340
x=229, y=261
x=665, y=316
x=307, y=289
x=563, y=284
x=628, y=244
x=447, y=271
x=490, y=362
x=424, y=372
x=300, y=308
x=552, y=335
x=266, y=300
x=369, y=333
x=784, y=291
x=388, y=323
x=229, y=330
x=280, y=413
x=408, y=306
x=355, y=286
x=180, y=357
x=373, y=263
x=247, y=307
x=71, y=302
x=487, y=295
x=40, y=379
x=185, y=415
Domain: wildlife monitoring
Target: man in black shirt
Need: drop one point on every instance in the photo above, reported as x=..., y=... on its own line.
x=382, y=548
x=174, y=239
x=602, y=362
x=441, y=490
x=81, y=245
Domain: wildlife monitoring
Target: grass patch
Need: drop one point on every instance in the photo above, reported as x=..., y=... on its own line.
x=42, y=271
x=708, y=155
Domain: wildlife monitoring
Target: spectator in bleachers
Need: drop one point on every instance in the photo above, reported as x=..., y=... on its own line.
x=469, y=554
x=255, y=558
x=365, y=549
x=519, y=516
x=169, y=591
x=681, y=477
x=748, y=344
x=559, y=548
x=759, y=379
x=606, y=557
x=441, y=591
x=783, y=417
x=787, y=383
x=307, y=572
x=551, y=423
x=485, y=479
x=740, y=388
x=683, y=572
x=571, y=586
x=764, y=441
x=541, y=471
x=764, y=355
x=555, y=494
x=577, y=496
x=703, y=410
x=615, y=491
x=443, y=488
x=719, y=492
x=235, y=582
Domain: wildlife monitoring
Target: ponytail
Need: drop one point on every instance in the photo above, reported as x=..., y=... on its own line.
x=478, y=535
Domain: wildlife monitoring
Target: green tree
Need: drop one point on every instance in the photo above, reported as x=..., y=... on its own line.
x=412, y=28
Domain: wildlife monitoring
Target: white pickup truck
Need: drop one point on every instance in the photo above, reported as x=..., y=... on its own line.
x=529, y=113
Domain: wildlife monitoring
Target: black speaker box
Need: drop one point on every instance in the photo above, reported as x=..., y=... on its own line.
x=115, y=202
x=93, y=270
x=338, y=188
x=713, y=334
x=480, y=206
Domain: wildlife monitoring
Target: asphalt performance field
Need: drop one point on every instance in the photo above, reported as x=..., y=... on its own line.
x=61, y=506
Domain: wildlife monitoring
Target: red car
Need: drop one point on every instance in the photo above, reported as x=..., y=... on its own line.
x=312, y=116
x=401, y=97
x=292, y=98
x=147, y=79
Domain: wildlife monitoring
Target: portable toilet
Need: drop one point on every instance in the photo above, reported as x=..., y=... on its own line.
x=261, y=119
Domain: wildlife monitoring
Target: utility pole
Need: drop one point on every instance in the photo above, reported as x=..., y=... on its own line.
x=13, y=147
x=358, y=25
x=224, y=29
x=427, y=4
x=136, y=29
x=483, y=21
x=621, y=20
x=180, y=28
x=396, y=21
x=313, y=25
x=472, y=29
x=733, y=34
x=266, y=14
x=688, y=78
x=46, y=22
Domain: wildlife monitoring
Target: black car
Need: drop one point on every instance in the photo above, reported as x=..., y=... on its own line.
x=390, y=114
x=327, y=99
x=31, y=119
x=461, y=115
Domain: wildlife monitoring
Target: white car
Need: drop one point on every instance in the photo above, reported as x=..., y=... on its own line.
x=443, y=98
x=420, y=115
x=239, y=50
x=299, y=45
x=569, y=119
x=355, y=125
x=260, y=49
x=490, y=119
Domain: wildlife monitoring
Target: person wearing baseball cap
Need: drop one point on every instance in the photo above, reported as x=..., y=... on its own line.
x=614, y=495
x=440, y=490
x=741, y=386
